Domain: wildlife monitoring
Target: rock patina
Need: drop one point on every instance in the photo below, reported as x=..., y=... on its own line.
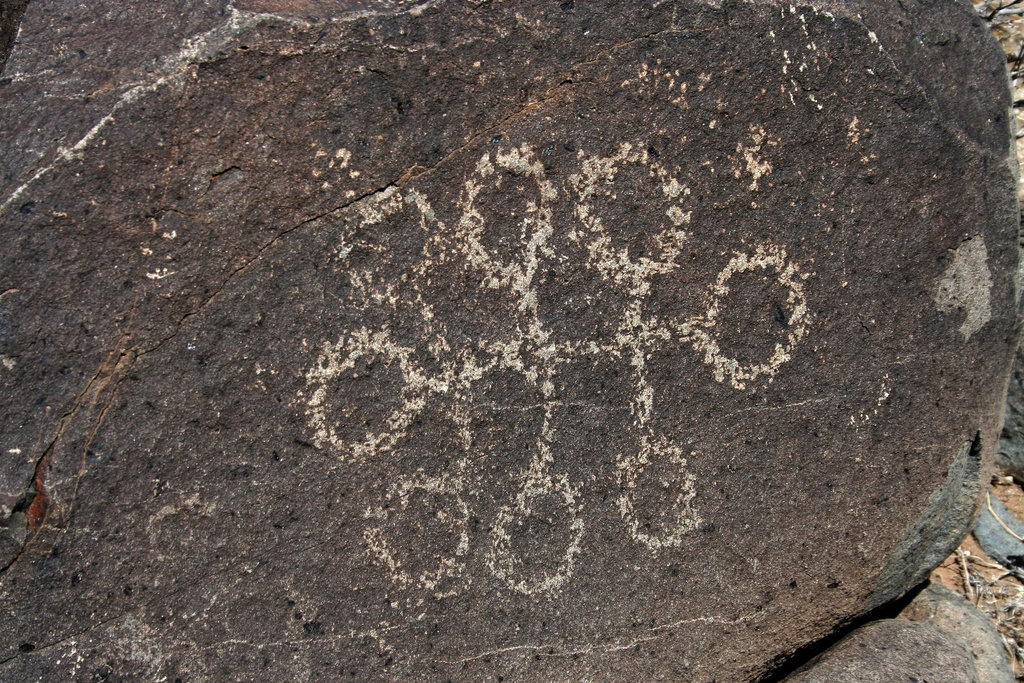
x=535, y=341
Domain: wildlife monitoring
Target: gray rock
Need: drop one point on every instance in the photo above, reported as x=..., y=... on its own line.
x=1010, y=456
x=11, y=12
x=541, y=341
x=949, y=611
x=999, y=532
x=892, y=650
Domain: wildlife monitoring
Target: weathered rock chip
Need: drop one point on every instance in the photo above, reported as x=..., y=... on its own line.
x=535, y=341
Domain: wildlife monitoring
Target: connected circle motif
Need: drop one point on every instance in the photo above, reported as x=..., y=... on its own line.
x=533, y=352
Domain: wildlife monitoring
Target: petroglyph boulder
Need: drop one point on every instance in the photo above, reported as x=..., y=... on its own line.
x=531, y=341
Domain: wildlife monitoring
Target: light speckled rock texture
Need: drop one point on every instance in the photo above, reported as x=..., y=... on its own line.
x=534, y=341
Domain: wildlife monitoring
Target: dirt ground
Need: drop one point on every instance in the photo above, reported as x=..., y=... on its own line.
x=996, y=590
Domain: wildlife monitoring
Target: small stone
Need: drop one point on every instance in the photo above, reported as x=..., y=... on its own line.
x=949, y=611
x=999, y=533
x=893, y=650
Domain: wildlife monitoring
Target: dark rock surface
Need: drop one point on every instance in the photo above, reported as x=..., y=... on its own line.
x=951, y=612
x=535, y=341
x=892, y=650
x=11, y=12
x=1010, y=455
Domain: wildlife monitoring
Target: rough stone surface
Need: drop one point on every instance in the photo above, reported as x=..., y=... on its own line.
x=10, y=18
x=536, y=341
x=1010, y=455
x=949, y=611
x=894, y=650
x=946, y=518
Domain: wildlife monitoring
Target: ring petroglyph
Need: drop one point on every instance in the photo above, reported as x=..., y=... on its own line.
x=454, y=516
x=429, y=373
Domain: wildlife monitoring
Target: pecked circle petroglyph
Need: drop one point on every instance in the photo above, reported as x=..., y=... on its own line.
x=404, y=377
x=449, y=511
